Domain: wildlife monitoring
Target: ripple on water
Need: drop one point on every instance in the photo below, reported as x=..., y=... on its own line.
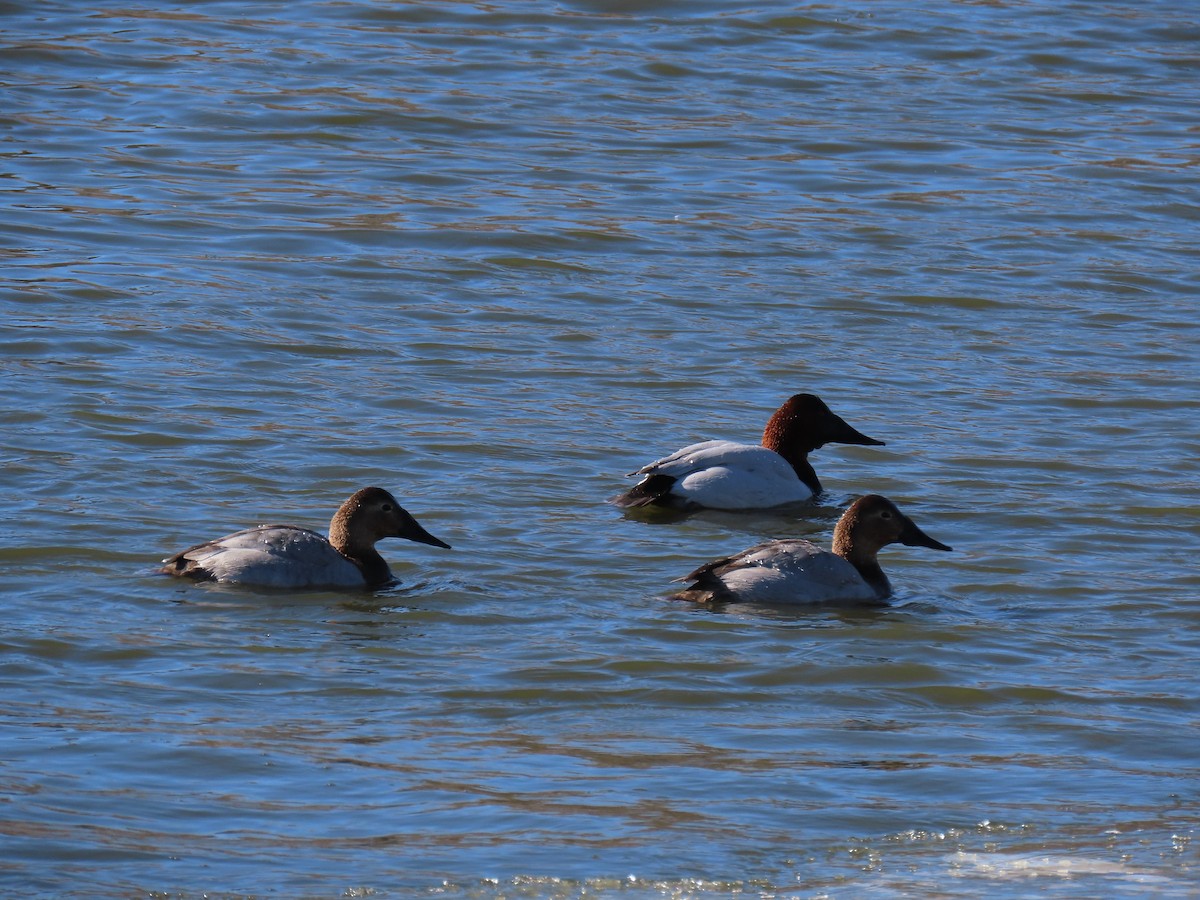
x=494, y=258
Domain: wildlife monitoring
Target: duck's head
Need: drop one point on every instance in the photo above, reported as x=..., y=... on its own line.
x=804, y=423
x=871, y=523
x=372, y=514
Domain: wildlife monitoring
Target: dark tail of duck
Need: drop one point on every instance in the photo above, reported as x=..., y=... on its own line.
x=653, y=489
x=183, y=567
x=695, y=595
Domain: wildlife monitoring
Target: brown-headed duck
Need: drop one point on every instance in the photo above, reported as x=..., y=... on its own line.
x=287, y=556
x=729, y=475
x=797, y=572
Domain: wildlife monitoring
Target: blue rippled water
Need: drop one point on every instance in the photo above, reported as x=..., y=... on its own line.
x=256, y=256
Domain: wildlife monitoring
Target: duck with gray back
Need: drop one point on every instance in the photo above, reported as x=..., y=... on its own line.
x=729, y=475
x=798, y=572
x=288, y=556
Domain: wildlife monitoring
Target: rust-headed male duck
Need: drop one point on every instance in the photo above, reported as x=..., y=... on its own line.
x=797, y=572
x=287, y=556
x=729, y=475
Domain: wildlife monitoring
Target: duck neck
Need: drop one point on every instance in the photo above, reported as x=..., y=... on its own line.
x=374, y=567
x=798, y=460
x=804, y=471
x=864, y=560
x=779, y=435
x=875, y=578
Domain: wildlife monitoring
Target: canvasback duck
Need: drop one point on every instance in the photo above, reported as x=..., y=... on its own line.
x=728, y=475
x=287, y=556
x=797, y=572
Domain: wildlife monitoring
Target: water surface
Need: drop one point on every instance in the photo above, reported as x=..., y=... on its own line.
x=493, y=257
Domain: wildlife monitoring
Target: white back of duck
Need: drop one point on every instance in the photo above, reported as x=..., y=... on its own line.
x=279, y=556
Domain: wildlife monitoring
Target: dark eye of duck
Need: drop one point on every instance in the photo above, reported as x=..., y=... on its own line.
x=387, y=507
x=885, y=514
